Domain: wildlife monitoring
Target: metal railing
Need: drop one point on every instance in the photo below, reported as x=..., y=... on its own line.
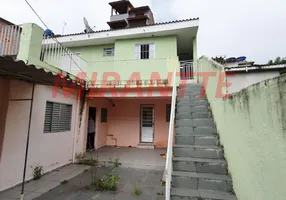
x=169, y=159
x=9, y=39
x=53, y=53
x=186, y=70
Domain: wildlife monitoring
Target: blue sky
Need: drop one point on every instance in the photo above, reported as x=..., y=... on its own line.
x=254, y=28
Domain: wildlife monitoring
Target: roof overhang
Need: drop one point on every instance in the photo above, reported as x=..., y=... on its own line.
x=11, y=69
x=184, y=30
x=117, y=24
x=6, y=21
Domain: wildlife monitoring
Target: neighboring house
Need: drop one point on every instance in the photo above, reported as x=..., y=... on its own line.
x=127, y=73
x=9, y=37
x=243, y=74
x=125, y=15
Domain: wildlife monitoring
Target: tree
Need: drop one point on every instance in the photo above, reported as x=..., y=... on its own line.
x=270, y=62
x=277, y=60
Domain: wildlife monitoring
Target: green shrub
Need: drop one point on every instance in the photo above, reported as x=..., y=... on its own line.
x=38, y=171
x=108, y=182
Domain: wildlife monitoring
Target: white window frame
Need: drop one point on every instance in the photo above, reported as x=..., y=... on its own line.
x=137, y=51
x=108, y=49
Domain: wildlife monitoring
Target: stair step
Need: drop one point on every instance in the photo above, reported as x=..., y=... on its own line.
x=192, y=109
x=194, y=180
x=185, y=100
x=201, y=115
x=194, y=122
x=203, y=122
x=203, y=108
x=196, y=140
x=202, y=165
x=195, y=131
x=184, y=123
x=197, y=146
x=189, y=194
x=198, y=151
x=192, y=103
x=202, y=175
x=196, y=115
x=183, y=116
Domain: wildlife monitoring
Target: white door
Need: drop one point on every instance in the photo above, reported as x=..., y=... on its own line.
x=147, y=124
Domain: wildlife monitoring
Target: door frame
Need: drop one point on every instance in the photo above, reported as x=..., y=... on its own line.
x=86, y=129
x=140, y=123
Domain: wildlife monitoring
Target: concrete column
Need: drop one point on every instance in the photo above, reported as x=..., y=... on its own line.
x=30, y=43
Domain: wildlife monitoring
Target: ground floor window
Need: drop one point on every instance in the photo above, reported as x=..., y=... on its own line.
x=103, y=114
x=57, y=117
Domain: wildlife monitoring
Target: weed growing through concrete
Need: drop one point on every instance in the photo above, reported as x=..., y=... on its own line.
x=38, y=171
x=64, y=182
x=109, y=180
x=137, y=191
x=82, y=160
x=115, y=162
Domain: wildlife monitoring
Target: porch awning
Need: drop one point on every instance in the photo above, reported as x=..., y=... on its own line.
x=12, y=69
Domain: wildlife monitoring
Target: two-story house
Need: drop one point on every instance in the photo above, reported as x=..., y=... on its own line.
x=128, y=73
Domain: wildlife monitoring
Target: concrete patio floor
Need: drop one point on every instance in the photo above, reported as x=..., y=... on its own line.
x=140, y=168
x=131, y=157
x=34, y=189
x=129, y=178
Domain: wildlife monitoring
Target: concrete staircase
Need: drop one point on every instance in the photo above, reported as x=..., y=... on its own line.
x=199, y=167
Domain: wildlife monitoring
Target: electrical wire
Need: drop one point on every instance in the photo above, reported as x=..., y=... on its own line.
x=54, y=38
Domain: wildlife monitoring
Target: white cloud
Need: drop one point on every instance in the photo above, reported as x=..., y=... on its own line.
x=253, y=28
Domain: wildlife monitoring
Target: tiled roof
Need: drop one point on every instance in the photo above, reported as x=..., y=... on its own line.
x=107, y=30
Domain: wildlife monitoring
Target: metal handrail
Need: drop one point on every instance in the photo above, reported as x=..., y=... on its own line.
x=187, y=69
x=55, y=54
x=169, y=159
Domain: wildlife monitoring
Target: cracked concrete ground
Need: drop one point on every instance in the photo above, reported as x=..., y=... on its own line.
x=149, y=181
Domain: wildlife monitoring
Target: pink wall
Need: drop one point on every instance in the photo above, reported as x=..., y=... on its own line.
x=4, y=95
x=101, y=129
x=50, y=150
x=124, y=121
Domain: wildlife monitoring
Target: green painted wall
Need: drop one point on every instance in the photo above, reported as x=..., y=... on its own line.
x=252, y=129
x=124, y=62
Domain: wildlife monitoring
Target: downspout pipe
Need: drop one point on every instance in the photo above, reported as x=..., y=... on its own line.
x=27, y=144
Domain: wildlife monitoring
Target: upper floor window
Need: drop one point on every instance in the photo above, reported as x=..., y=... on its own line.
x=108, y=51
x=145, y=51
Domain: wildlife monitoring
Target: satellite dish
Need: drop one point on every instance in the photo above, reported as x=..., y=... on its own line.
x=87, y=27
